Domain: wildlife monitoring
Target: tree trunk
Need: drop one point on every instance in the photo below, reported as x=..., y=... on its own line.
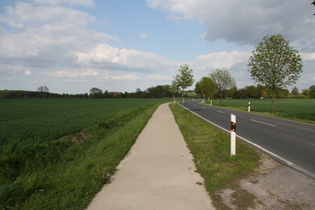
x=182, y=101
x=273, y=102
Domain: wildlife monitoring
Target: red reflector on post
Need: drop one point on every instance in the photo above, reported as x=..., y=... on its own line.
x=233, y=126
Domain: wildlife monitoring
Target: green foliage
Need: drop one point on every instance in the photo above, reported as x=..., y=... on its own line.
x=312, y=91
x=185, y=77
x=206, y=87
x=223, y=81
x=275, y=63
x=65, y=173
x=183, y=80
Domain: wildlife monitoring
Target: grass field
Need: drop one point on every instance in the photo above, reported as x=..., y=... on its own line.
x=294, y=109
x=40, y=120
x=58, y=153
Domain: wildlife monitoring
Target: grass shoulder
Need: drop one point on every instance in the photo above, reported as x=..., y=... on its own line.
x=211, y=150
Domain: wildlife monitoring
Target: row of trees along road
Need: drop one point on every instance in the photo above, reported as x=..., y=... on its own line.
x=274, y=64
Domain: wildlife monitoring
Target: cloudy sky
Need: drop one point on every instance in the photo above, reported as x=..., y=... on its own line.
x=74, y=45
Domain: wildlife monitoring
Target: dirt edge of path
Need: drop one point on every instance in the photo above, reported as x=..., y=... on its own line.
x=272, y=186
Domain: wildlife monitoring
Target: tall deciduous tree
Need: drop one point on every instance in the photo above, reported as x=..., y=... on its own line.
x=295, y=91
x=223, y=81
x=96, y=92
x=275, y=64
x=312, y=91
x=207, y=87
x=43, y=89
x=184, y=79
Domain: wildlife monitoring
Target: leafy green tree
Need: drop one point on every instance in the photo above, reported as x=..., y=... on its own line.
x=306, y=92
x=43, y=89
x=223, y=81
x=295, y=91
x=96, y=92
x=207, y=87
x=275, y=64
x=251, y=91
x=198, y=89
x=174, y=89
x=312, y=91
x=184, y=79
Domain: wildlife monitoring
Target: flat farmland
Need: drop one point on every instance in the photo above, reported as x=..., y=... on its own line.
x=58, y=153
x=40, y=120
x=294, y=109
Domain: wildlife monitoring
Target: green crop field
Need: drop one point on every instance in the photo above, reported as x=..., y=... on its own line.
x=41, y=120
x=295, y=109
x=57, y=153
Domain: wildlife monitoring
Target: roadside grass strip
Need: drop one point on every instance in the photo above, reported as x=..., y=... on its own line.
x=210, y=147
x=301, y=110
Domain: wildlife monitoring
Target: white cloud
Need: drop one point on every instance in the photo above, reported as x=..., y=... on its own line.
x=72, y=74
x=246, y=21
x=106, y=56
x=308, y=56
x=220, y=60
x=42, y=36
x=126, y=77
x=50, y=40
x=161, y=77
x=27, y=72
x=143, y=36
x=87, y=3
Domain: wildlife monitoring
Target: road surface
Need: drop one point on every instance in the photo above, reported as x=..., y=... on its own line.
x=288, y=141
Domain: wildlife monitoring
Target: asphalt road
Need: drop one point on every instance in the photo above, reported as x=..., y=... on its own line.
x=291, y=142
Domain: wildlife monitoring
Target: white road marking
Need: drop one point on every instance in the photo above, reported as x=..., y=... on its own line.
x=220, y=111
x=261, y=148
x=263, y=122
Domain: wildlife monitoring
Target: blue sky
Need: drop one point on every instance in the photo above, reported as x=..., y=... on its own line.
x=72, y=46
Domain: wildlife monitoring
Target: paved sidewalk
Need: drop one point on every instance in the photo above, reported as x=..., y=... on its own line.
x=158, y=173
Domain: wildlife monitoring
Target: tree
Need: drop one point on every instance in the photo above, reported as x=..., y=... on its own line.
x=207, y=87
x=306, y=92
x=294, y=91
x=184, y=80
x=96, y=92
x=251, y=91
x=174, y=89
x=43, y=89
x=223, y=81
x=275, y=64
x=314, y=5
x=312, y=91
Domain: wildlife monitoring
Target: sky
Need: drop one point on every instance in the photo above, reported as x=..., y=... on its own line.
x=71, y=46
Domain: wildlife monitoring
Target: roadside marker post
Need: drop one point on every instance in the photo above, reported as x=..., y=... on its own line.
x=248, y=106
x=233, y=134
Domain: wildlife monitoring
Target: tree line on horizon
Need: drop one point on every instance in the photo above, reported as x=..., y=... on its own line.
x=274, y=65
x=163, y=91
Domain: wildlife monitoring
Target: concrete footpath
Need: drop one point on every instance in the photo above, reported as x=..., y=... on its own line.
x=158, y=173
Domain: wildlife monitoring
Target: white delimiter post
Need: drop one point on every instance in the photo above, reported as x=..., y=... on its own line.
x=233, y=134
x=248, y=106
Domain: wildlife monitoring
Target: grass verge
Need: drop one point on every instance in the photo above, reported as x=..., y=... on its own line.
x=292, y=109
x=210, y=147
x=67, y=173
